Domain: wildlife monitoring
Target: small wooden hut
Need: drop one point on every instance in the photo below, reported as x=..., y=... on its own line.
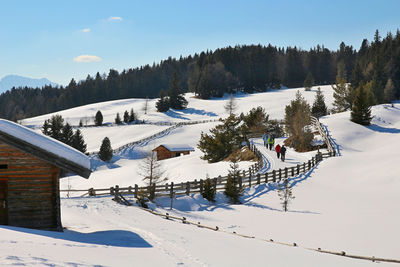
x=171, y=151
x=30, y=164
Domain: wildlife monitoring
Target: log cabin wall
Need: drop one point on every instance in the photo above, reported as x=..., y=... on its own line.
x=33, y=199
x=163, y=153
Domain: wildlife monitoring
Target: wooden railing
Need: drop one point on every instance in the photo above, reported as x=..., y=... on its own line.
x=161, y=133
x=248, y=177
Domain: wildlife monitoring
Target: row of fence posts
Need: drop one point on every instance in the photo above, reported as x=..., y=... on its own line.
x=277, y=175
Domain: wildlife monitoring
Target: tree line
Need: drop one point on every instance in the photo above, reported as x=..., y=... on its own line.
x=247, y=68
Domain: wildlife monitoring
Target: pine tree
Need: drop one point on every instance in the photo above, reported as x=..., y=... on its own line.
x=162, y=104
x=319, y=108
x=126, y=116
x=67, y=134
x=98, y=119
x=341, y=90
x=285, y=194
x=118, y=119
x=146, y=105
x=389, y=92
x=56, y=125
x=176, y=98
x=231, y=105
x=361, y=110
x=78, y=142
x=132, y=116
x=308, y=82
x=106, y=151
x=209, y=190
x=232, y=187
x=297, y=117
x=46, y=127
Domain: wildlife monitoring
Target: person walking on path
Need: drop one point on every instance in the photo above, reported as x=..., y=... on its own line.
x=278, y=150
x=271, y=142
x=265, y=139
x=283, y=152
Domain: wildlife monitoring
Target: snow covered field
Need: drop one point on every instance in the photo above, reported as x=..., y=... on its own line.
x=346, y=203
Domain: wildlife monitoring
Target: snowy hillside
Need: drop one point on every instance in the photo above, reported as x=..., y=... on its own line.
x=346, y=203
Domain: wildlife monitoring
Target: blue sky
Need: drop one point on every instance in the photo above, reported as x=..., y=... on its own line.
x=53, y=38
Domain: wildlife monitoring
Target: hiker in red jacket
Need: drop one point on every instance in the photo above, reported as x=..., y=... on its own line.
x=278, y=150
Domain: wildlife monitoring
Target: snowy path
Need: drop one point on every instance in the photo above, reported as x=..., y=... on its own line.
x=270, y=160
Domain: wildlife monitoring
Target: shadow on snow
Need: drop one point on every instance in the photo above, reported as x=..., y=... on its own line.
x=114, y=238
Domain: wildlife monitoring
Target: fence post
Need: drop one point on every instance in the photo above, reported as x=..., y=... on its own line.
x=304, y=167
x=195, y=184
x=280, y=174
x=215, y=184
x=187, y=188
x=250, y=171
x=292, y=171
x=258, y=178
x=171, y=190
x=244, y=173
x=274, y=176
x=111, y=190
x=309, y=164
x=240, y=182
x=266, y=177
x=286, y=172
x=136, y=190
x=298, y=169
x=130, y=189
x=92, y=192
x=201, y=186
x=250, y=180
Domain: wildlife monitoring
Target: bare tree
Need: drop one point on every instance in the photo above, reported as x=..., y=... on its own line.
x=145, y=107
x=151, y=170
x=231, y=105
x=285, y=194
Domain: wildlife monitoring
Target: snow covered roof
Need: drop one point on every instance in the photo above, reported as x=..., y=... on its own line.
x=178, y=147
x=45, y=148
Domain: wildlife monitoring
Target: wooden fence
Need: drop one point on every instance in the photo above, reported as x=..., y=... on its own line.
x=248, y=177
x=161, y=133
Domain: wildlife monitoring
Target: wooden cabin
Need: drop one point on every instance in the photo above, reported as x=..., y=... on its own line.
x=30, y=165
x=171, y=151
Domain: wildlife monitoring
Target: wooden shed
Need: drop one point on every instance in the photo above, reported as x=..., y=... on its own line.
x=171, y=151
x=30, y=165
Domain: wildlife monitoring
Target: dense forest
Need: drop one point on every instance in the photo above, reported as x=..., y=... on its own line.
x=247, y=68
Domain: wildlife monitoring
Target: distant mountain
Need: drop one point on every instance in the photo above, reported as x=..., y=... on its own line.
x=11, y=81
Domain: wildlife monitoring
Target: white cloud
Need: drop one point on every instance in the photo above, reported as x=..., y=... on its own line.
x=87, y=58
x=85, y=30
x=114, y=18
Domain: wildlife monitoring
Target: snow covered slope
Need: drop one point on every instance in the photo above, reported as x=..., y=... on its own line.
x=346, y=203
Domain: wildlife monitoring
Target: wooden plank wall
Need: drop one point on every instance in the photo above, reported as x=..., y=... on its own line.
x=33, y=190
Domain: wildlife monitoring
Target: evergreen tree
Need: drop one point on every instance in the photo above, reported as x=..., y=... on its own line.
x=126, y=116
x=106, y=151
x=98, y=119
x=341, y=90
x=308, y=82
x=319, y=108
x=146, y=105
x=56, y=125
x=232, y=187
x=222, y=140
x=46, y=127
x=67, y=134
x=132, y=116
x=361, y=110
x=285, y=194
x=118, y=119
x=176, y=98
x=78, y=142
x=162, y=104
x=209, y=190
x=389, y=92
x=297, y=117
